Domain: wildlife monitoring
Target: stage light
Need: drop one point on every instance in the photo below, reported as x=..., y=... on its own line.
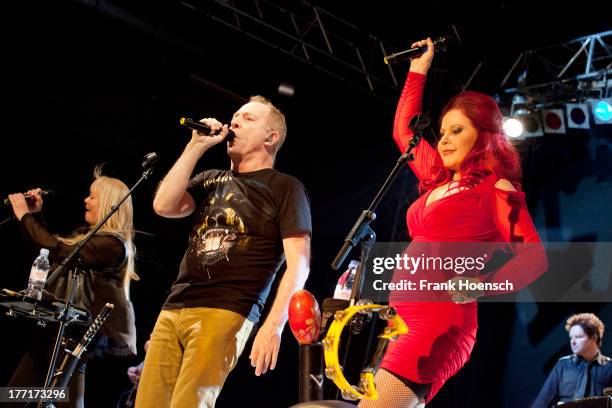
x=602, y=111
x=532, y=126
x=553, y=121
x=519, y=105
x=513, y=128
x=577, y=116
x=286, y=89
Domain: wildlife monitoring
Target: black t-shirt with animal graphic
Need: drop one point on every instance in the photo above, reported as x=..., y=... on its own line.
x=235, y=246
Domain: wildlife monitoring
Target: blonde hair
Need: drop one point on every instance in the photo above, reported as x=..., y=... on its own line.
x=110, y=190
x=276, y=120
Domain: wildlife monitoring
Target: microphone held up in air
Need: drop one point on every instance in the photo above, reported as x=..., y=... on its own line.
x=29, y=197
x=439, y=43
x=202, y=128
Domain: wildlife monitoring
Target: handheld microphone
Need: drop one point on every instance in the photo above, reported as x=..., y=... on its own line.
x=440, y=44
x=43, y=193
x=202, y=128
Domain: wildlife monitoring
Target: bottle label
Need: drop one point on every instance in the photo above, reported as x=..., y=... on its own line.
x=344, y=287
x=38, y=274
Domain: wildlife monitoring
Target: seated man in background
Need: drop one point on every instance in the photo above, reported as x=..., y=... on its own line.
x=586, y=372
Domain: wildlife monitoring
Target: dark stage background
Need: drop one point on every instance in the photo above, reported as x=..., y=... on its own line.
x=81, y=86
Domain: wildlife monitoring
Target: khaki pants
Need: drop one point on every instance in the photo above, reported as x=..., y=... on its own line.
x=192, y=350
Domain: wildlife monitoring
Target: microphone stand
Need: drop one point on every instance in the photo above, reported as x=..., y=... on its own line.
x=64, y=316
x=71, y=358
x=362, y=232
x=12, y=217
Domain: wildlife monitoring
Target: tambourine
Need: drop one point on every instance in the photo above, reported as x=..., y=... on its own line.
x=331, y=344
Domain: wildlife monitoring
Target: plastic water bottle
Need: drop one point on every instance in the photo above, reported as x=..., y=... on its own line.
x=344, y=287
x=38, y=275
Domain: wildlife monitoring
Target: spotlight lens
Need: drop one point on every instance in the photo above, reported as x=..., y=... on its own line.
x=577, y=116
x=513, y=127
x=553, y=121
x=603, y=110
x=531, y=124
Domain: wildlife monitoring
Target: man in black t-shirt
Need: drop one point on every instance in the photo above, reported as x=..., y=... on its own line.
x=248, y=220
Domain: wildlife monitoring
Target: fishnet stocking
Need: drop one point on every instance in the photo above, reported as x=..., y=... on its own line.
x=392, y=393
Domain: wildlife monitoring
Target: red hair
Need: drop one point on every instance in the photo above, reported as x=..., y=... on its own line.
x=492, y=153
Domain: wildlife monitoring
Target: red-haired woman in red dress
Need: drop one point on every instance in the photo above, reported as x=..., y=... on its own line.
x=470, y=191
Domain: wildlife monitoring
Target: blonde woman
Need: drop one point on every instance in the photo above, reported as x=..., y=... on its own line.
x=108, y=262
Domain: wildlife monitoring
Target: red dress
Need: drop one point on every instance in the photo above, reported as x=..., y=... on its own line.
x=442, y=334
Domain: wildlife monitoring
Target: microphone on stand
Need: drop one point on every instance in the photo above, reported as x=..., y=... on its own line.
x=202, y=128
x=440, y=44
x=149, y=160
x=29, y=197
